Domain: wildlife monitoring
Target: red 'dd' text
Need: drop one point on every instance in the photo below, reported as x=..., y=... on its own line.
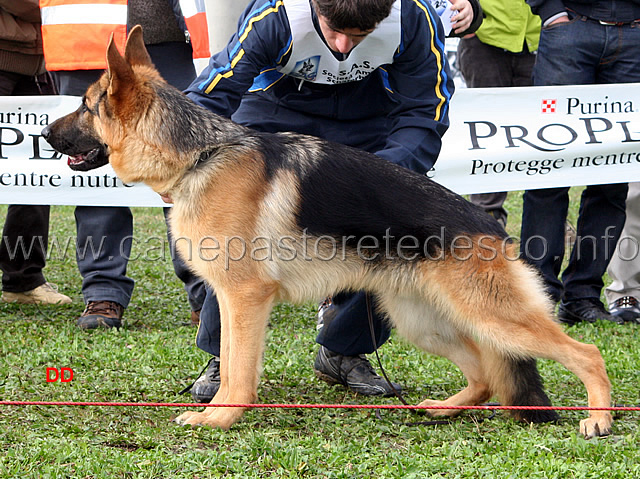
x=64, y=375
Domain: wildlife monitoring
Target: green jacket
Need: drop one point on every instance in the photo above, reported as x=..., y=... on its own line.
x=508, y=24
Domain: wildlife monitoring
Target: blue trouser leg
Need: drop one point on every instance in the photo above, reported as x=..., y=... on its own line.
x=193, y=285
x=544, y=215
x=346, y=328
x=23, y=248
x=600, y=222
x=25, y=234
x=602, y=216
x=208, y=336
x=105, y=236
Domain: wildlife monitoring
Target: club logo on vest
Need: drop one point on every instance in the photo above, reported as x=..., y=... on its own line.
x=307, y=69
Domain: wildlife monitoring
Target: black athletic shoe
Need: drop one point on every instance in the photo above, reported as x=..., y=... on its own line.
x=354, y=372
x=626, y=308
x=207, y=385
x=585, y=310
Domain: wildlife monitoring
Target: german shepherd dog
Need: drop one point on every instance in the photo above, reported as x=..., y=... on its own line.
x=439, y=268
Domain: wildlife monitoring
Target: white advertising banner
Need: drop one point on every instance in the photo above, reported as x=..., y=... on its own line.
x=31, y=172
x=500, y=139
x=505, y=139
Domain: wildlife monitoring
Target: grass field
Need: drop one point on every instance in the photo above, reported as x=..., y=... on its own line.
x=154, y=356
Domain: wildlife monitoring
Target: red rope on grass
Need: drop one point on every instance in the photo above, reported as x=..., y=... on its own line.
x=316, y=406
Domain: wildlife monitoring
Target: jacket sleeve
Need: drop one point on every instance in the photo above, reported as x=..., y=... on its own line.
x=546, y=9
x=262, y=35
x=26, y=10
x=421, y=86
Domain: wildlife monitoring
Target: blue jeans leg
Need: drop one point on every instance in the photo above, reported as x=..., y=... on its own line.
x=599, y=54
x=544, y=214
x=602, y=216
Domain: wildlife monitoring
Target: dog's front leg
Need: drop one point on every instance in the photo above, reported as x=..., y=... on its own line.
x=244, y=313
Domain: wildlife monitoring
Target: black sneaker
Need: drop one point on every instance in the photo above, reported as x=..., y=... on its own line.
x=626, y=308
x=354, y=372
x=585, y=310
x=101, y=314
x=207, y=385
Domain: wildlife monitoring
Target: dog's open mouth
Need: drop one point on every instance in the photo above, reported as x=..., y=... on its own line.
x=90, y=160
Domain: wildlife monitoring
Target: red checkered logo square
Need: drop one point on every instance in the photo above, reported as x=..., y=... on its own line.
x=548, y=106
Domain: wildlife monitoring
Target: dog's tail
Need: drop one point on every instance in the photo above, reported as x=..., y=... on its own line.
x=517, y=382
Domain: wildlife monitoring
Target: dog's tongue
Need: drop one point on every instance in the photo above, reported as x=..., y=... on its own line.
x=74, y=160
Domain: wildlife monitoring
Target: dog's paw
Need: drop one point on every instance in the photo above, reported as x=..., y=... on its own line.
x=438, y=412
x=596, y=426
x=190, y=418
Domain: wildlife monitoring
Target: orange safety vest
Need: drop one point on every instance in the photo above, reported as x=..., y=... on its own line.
x=75, y=33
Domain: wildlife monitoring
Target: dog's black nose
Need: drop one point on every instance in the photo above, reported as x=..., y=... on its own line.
x=46, y=132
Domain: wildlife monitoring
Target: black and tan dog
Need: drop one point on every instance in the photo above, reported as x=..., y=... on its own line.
x=273, y=217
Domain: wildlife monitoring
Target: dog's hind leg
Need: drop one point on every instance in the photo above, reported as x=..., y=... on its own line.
x=245, y=312
x=501, y=304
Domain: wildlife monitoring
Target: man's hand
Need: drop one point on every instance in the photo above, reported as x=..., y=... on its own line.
x=464, y=17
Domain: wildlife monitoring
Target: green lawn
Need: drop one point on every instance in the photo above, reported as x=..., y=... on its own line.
x=154, y=356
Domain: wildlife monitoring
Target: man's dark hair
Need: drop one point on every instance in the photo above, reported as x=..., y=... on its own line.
x=361, y=14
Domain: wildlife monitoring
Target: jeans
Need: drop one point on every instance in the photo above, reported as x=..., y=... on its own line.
x=582, y=51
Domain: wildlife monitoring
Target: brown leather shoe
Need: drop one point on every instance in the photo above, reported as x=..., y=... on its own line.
x=101, y=314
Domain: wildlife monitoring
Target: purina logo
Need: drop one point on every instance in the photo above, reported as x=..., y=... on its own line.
x=549, y=105
x=307, y=69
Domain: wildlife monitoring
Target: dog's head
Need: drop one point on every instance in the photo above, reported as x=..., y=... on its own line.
x=109, y=109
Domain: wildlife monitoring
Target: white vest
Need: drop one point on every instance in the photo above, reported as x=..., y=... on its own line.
x=312, y=60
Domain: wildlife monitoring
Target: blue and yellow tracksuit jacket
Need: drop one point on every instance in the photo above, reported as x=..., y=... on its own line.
x=411, y=94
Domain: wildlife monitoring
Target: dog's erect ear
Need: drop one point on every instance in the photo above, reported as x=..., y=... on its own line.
x=135, y=52
x=119, y=72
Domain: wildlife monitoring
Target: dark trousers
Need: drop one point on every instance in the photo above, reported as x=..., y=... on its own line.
x=600, y=54
x=348, y=331
x=486, y=66
x=25, y=233
x=600, y=221
x=105, y=233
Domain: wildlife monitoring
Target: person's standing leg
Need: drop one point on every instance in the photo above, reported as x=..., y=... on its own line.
x=623, y=294
x=544, y=213
x=601, y=213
